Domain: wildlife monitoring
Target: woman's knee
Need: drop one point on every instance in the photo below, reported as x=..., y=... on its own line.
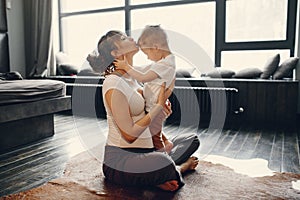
x=193, y=140
x=160, y=157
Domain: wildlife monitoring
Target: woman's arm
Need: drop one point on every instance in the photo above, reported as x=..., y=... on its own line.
x=157, y=124
x=119, y=107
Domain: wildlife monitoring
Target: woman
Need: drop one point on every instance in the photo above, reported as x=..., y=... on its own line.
x=130, y=157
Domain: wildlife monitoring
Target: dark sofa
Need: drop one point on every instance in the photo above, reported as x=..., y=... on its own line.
x=25, y=117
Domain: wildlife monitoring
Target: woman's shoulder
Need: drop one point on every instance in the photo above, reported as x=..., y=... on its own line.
x=114, y=82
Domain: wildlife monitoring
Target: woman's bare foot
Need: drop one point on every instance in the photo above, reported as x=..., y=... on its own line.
x=169, y=185
x=189, y=165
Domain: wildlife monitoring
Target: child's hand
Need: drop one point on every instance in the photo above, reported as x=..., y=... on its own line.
x=122, y=64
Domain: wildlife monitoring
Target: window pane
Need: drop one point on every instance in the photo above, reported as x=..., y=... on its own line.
x=256, y=20
x=82, y=5
x=81, y=33
x=134, y=2
x=195, y=22
x=237, y=60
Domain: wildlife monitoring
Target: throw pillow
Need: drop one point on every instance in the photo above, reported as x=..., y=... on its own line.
x=221, y=73
x=186, y=73
x=88, y=72
x=67, y=69
x=11, y=76
x=252, y=72
x=286, y=68
x=270, y=67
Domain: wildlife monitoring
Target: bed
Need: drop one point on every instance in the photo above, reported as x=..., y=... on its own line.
x=27, y=107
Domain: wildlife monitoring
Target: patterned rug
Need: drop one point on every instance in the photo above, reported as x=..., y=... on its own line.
x=83, y=179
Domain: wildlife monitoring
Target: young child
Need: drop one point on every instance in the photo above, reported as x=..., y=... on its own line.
x=154, y=43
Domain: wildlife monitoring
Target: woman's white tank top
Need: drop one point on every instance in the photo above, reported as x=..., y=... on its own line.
x=136, y=106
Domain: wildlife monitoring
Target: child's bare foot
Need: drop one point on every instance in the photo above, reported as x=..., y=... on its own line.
x=189, y=165
x=169, y=185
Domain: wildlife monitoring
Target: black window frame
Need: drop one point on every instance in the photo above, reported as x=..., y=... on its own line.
x=220, y=29
x=222, y=45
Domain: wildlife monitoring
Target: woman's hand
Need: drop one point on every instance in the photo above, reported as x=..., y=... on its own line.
x=168, y=146
x=167, y=108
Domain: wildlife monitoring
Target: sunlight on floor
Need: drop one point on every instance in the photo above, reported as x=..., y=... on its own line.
x=75, y=147
x=296, y=185
x=252, y=167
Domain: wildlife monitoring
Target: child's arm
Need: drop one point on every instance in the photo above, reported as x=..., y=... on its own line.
x=137, y=75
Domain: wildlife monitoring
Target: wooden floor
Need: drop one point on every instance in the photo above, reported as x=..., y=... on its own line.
x=32, y=165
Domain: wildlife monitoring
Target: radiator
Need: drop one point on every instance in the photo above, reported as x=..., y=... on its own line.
x=195, y=103
x=87, y=99
x=190, y=104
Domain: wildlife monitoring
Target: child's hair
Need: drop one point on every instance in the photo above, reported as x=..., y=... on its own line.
x=153, y=34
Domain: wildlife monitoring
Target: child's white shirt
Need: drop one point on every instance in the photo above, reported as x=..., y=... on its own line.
x=165, y=69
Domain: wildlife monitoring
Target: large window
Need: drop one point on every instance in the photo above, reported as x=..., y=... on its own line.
x=251, y=31
x=79, y=5
x=233, y=33
x=202, y=14
x=256, y=20
x=81, y=32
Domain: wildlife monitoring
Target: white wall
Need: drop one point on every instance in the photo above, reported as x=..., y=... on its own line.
x=15, y=23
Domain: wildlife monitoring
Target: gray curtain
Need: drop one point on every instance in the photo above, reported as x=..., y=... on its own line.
x=38, y=37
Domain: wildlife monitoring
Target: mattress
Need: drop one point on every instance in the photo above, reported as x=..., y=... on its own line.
x=18, y=91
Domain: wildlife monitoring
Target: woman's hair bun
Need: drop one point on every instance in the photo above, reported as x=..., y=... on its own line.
x=103, y=61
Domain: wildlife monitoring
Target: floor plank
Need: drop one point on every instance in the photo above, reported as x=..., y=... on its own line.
x=248, y=147
x=264, y=145
x=290, y=153
x=275, y=160
x=31, y=165
x=236, y=144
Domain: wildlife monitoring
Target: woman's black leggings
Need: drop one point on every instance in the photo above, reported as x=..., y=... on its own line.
x=146, y=167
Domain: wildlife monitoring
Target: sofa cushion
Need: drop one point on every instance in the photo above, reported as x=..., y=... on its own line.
x=252, y=72
x=87, y=72
x=64, y=65
x=220, y=73
x=270, y=67
x=11, y=76
x=185, y=72
x=67, y=69
x=286, y=68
